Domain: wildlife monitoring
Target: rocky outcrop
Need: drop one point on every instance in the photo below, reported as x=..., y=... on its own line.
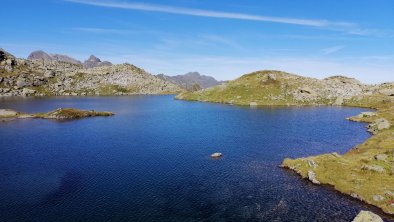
x=367, y=216
x=93, y=62
x=379, y=125
x=7, y=61
x=312, y=177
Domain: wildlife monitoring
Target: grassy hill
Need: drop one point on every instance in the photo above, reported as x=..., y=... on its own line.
x=270, y=87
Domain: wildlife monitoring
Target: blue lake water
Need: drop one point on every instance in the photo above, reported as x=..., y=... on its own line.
x=151, y=162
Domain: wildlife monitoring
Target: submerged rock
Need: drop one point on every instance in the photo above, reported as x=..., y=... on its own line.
x=367, y=216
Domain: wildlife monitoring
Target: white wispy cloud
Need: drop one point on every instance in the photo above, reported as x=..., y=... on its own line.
x=334, y=49
x=212, y=14
x=102, y=30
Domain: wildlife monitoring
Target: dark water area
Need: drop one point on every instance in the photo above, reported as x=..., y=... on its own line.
x=151, y=162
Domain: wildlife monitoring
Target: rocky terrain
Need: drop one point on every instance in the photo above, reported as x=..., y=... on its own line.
x=191, y=81
x=58, y=114
x=49, y=76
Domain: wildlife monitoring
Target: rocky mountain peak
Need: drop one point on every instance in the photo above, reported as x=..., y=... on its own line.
x=93, y=62
x=93, y=58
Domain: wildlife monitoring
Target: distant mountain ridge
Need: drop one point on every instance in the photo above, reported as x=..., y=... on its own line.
x=41, y=55
x=91, y=62
x=189, y=80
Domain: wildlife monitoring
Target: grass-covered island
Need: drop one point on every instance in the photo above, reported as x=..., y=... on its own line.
x=58, y=114
x=366, y=172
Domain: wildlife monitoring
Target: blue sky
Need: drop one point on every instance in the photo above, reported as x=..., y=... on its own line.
x=222, y=38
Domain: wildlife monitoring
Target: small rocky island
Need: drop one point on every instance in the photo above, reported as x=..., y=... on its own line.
x=58, y=114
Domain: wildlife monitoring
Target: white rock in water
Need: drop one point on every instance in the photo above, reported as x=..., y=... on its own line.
x=216, y=155
x=367, y=216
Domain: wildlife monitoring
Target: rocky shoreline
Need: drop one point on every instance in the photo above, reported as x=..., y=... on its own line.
x=366, y=171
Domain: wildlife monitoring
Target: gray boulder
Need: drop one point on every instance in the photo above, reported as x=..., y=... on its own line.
x=381, y=157
x=378, y=198
x=374, y=168
x=28, y=92
x=20, y=83
x=49, y=74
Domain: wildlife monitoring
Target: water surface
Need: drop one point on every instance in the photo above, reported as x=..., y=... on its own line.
x=151, y=162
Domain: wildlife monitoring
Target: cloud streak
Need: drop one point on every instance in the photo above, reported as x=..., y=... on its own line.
x=212, y=14
x=328, y=51
x=102, y=31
